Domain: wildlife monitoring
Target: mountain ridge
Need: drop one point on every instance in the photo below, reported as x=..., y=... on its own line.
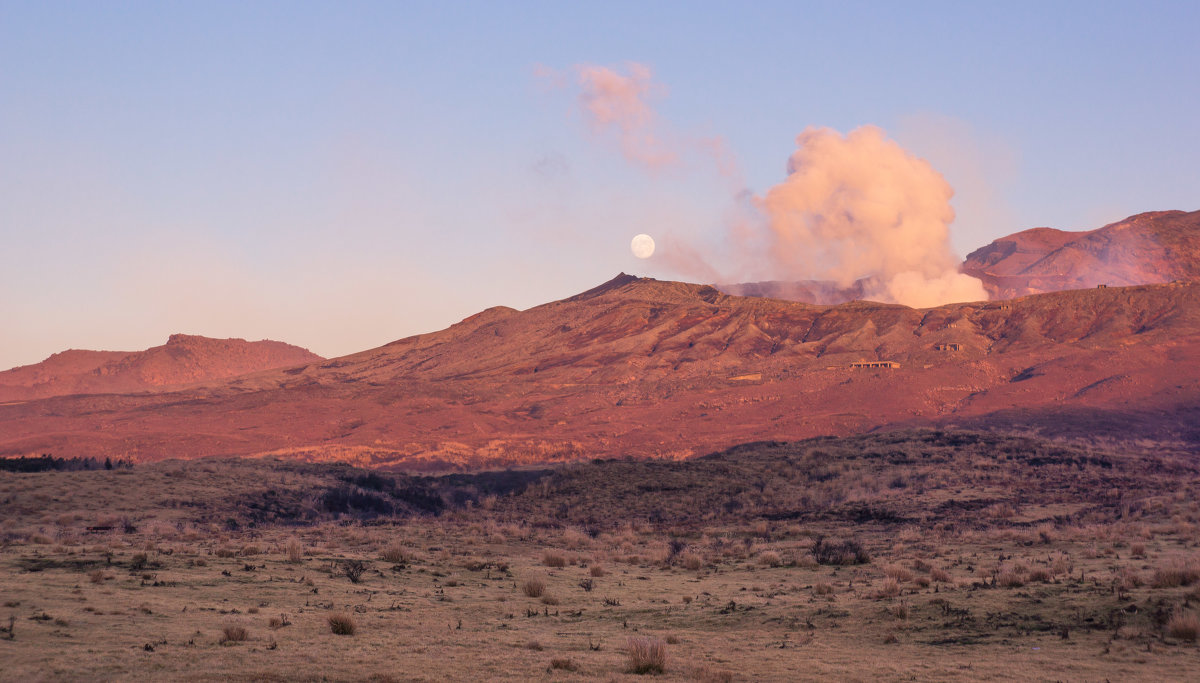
x=650, y=368
x=183, y=360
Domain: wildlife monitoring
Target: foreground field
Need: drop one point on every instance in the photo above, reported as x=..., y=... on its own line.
x=914, y=556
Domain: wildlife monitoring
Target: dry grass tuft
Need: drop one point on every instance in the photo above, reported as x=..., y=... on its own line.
x=1010, y=578
x=691, y=561
x=647, y=655
x=1184, y=626
x=534, y=588
x=294, y=550
x=1039, y=575
x=597, y=571
x=563, y=664
x=342, y=624
x=898, y=572
x=556, y=560
x=890, y=588
x=234, y=633
x=770, y=558
x=1177, y=574
x=394, y=554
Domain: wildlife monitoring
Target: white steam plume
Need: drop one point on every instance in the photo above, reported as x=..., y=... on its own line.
x=861, y=207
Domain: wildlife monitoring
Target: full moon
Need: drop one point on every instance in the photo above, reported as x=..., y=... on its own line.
x=642, y=246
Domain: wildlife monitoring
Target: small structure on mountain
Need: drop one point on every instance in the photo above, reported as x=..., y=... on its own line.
x=949, y=346
x=1101, y=286
x=874, y=364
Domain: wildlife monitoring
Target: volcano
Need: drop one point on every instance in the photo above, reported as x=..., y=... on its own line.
x=646, y=368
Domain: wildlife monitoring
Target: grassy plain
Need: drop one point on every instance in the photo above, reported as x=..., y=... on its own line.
x=906, y=556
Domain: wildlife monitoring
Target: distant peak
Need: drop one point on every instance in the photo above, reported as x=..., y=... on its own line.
x=617, y=282
x=184, y=338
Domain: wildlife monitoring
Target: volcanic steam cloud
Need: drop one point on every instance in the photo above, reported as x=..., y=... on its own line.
x=853, y=207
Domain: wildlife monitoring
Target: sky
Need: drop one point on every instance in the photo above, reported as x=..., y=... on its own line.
x=338, y=175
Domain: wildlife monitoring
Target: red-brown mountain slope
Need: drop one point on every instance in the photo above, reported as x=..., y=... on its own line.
x=1148, y=248
x=648, y=368
x=183, y=360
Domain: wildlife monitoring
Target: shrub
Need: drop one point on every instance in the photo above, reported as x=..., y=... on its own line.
x=549, y=600
x=234, y=633
x=554, y=560
x=534, y=588
x=597, y=571
x=647, y=655
x=534, y=645
x=899, y=611
x=940, y=575
x=96, y=576
x=1184, y=626
x=839, y=552
x=342, y=624
x=354, y=569
x=823, y=588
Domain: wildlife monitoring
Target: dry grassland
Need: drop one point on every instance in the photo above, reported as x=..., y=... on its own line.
x=964, y=568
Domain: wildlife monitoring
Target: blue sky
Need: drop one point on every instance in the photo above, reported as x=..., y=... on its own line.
x=340, y=175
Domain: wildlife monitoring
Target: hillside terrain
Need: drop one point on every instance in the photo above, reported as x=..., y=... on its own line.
x=183, y=360
x=666, y=369
x=1148, y=248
